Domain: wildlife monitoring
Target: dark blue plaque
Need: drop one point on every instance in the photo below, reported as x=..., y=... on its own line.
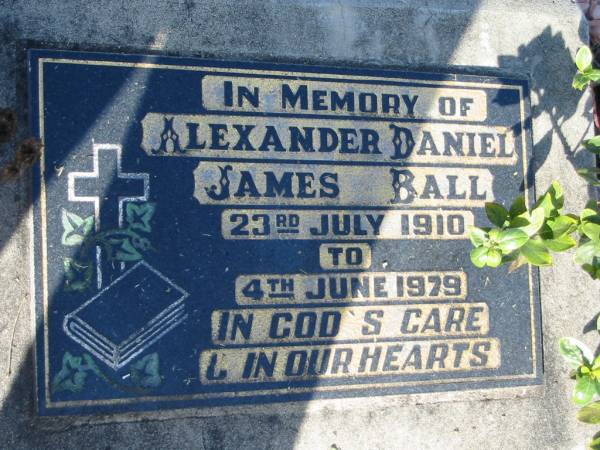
x=212, y=233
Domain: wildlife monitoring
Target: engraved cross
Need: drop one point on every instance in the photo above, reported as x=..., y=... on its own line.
x=108, y=188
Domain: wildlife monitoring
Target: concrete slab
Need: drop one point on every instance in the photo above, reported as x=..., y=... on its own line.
x=538, y=40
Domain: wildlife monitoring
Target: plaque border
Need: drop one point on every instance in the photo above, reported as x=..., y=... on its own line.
x=38, y=247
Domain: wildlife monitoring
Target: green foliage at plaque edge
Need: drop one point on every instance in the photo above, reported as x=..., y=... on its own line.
x=585, y=367
x=126, y=244
x=520, y=235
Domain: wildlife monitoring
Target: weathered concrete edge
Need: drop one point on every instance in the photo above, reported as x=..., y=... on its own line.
x=305, y=406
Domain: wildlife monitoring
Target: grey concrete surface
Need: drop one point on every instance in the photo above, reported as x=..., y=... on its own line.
x=537, y=38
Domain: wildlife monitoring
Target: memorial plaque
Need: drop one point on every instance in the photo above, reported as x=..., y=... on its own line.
x=210, y=234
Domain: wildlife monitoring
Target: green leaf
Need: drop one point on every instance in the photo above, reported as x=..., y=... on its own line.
x=496, y=213
x=593, y=74
x=511, y=239
x=138, y=215
x=590, y=175
x=520, y=221
x=584, y=390
x=560, y=244
x=536, y=220
x=590, y=413
x=493, y=234
x=510, y=257
x=127, y=252
x=592, y=269
x=518, y=207
x=594, y=141
x=583, y=59
x=552, y=201
x=592, y=149
x=586, y=253
x=477, y=236
x=546, y=232
x=145, y=372
x=592, y=145
x=562, y=225
x=536, y=253
x=494, y=257
x=580, y=81
x=557, y=195
x=479, y=256
x=591, y=209
x=593, y=205
x=545, y=203
x=591, y=230
x=482, y=256
x=594, y=443
x=574, y=351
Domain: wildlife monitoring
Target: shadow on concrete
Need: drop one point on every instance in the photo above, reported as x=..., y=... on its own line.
x=547, y=55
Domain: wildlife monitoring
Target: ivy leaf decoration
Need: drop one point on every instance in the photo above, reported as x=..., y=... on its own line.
x=145, y=372
x=75, y=229
x=78, y=277
x=127, y=252
x=90, y=365
x=71, y=376
x=138, y=216
x=70, y=272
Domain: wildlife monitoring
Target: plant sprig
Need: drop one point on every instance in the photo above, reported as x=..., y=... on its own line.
x=586, y=72
x=521, y=236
